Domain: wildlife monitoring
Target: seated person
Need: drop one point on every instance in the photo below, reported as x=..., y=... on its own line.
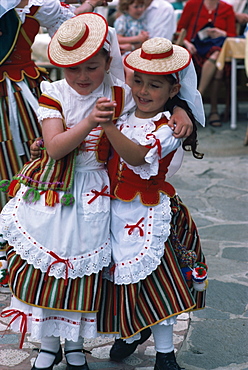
x=218, y=19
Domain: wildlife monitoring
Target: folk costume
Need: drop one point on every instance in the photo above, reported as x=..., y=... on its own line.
x=20, y=78
x=153, y=235
x=58, y=223
x=150, y=226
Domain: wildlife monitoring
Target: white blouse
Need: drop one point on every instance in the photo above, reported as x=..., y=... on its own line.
x=50, y=15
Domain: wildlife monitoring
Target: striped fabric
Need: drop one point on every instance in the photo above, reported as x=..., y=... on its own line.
x=29, y=285
x=10, y=162
x=127, y=309
x=46, y=173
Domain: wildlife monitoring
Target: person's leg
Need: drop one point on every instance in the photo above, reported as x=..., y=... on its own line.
x=214, y=117
x=50, y=354
x=75, y=357
x=208, y=71
x=163, y=338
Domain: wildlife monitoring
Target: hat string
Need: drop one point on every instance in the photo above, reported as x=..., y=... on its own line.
x=79, y=43
x=149, y=56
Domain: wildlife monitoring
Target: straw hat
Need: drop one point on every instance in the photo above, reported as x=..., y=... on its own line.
x=78, y=39
x=158, y=56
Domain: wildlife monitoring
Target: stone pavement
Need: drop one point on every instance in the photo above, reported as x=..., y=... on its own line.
x=216, y=191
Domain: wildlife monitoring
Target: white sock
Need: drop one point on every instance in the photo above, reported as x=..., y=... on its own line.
x=75, y=358
x=163, y=338
x=44, y=359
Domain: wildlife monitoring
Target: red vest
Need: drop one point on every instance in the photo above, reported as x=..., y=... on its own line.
x=126, y=185
x=19, y=61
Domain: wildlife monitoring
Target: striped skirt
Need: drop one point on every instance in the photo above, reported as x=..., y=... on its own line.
x=27, y=128
x=33, y=287
x=127, y=309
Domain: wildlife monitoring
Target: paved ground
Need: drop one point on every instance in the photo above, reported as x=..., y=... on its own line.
x=215, y=190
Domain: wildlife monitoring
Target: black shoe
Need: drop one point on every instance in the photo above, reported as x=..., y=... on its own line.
x=121, y=349
x=166, y=361
x=76, y=367
x=58, y=358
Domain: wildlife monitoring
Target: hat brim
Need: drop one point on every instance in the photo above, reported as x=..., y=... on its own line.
x=98, y=29
x=179, y=60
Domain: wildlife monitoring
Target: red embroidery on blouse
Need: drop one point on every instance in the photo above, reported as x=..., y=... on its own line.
x=132, y=227
x=98, y=193
x=157, y=143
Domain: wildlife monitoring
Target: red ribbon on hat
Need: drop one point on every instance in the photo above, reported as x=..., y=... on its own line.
x=149, y=56
x=79, y=43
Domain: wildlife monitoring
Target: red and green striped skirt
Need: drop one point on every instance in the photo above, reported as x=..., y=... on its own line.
x=127, y=309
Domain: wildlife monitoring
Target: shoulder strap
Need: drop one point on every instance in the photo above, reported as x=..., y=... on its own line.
x=50, y=103
x=118, y=95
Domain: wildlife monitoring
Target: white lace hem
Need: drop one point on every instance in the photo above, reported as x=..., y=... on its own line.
x=43, y=259
x=149, y=257
x=46, y=322
x=43, y=113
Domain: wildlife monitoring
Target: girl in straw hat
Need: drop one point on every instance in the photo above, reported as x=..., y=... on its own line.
x=20, y=80
x=153, y=235
x=20, y=77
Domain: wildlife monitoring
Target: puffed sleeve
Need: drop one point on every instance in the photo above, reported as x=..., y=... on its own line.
x=161, y=143
x=52, y=93
x=52, y=14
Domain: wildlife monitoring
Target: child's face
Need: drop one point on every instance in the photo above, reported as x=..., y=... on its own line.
x=88, y=76
x=136, y=10
x=151, y=93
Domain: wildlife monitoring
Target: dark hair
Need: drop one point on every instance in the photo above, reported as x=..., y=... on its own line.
x=124, y=4
x=191, y=142
x=104, y=52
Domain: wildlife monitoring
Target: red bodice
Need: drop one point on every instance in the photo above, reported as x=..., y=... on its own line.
x=19, y=61
x=126, y=185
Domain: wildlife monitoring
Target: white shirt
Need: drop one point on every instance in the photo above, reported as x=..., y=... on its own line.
x=161, y=21
x=238, y=5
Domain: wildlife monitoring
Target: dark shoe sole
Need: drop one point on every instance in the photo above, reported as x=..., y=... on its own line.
x=121, y=350
x=57, y=360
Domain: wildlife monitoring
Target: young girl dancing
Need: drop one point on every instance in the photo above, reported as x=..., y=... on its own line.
x=153, y=235
x=57, y=225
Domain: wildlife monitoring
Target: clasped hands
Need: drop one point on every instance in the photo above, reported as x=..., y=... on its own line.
x=103, y=111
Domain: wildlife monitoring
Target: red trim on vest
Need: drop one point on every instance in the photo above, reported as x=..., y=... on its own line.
x=19, y=63
x=47, y=102
x=103, y=151
x=126, y=185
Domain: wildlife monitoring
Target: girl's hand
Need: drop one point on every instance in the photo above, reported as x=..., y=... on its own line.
x=180, y=123
x=35, y=150
x=102, y=112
